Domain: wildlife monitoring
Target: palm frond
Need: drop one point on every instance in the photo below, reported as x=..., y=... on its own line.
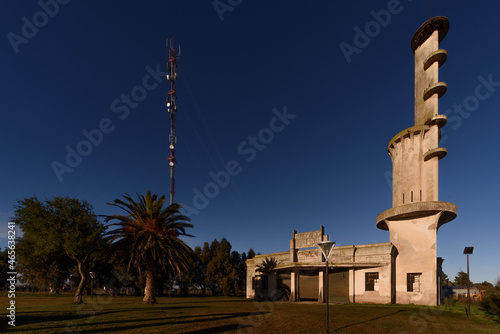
x=149, y=233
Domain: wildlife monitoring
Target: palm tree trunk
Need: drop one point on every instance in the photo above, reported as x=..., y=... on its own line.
x=83, y=280
x=150, y=293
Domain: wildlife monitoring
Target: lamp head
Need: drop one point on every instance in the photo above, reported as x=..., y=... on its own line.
x=326, y=248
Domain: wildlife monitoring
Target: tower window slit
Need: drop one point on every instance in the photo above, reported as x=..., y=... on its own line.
x=420, y=195
x=412, y=196
x=403, y=198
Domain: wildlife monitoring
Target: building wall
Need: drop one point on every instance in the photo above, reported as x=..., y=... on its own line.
x=383, y=254
x=348, y=265
x=415, y=240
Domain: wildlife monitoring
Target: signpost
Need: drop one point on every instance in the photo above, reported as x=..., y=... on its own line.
x=326, y=248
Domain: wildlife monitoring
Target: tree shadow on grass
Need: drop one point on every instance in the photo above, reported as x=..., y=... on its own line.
x=219, y=329
x=214, y=301
x=29, y=319
x=369, y=320
x=115, y=325
x=209, y=317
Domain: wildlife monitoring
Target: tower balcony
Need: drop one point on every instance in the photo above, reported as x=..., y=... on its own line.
x=439, y=56
x=417, y=210
x=438, y=88
x=439, y=152
x=439, y=120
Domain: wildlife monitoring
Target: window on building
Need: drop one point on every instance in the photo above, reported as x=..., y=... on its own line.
x=413, y=282
x=371, y=281
x=253, y=283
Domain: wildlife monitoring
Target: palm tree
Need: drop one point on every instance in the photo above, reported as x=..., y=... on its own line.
x=147, y=238
x=266, y=267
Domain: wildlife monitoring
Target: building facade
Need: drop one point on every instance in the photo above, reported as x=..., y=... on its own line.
x=363, y=273
x=405, y=270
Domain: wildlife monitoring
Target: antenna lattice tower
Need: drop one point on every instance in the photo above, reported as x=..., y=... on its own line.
x=173, y=56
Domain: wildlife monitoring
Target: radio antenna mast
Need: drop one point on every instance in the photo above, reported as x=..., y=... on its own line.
x=173, y=56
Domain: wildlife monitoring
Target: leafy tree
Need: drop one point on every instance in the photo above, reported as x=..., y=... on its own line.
x=54, y=231
x=445, y=281
x=251, y=254
x=147, y=238
x=210, y=279
x=241, y=275
x=82, y=237
x=238, y=263
x=486, y=286
x=200, y=270
x=201, y=273
x=4, y=267
x=195, y=276
x=221, y=272
x=461, y=279
x=205, y=270
x=4, y=259
x=104, y=272
x=41, y=261
x=40, y=267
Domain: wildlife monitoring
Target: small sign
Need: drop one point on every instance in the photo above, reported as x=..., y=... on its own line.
x=307, y=239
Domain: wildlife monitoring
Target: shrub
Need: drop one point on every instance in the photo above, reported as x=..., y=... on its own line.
x=491, y=304
x=449, y=301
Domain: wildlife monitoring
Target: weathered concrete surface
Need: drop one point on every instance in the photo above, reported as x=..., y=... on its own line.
x=417, y=213
x=380, y=257
x=415, y=240
x=384, y=254
x=416, y=210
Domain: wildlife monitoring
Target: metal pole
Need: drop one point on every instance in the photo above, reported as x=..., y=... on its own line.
x=468, y=288
x=326, y=295
x=92, y=287
x=172, y=185
x=326, y=248
x=172, y=109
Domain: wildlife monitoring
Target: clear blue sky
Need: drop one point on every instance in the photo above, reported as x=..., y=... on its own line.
x=327, y=166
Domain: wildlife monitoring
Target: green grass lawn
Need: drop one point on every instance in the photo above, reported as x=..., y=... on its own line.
x=49, y=314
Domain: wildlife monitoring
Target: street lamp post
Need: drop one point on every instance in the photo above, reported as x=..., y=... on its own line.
x=92, y=275
x=468, y=251
x=326, y=248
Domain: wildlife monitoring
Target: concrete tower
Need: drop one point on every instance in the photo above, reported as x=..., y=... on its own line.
x=417, y=213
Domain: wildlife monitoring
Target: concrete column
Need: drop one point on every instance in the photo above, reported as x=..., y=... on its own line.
x=321, y=280
x=250, y=277
x=352, y=286
x=294, y=296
